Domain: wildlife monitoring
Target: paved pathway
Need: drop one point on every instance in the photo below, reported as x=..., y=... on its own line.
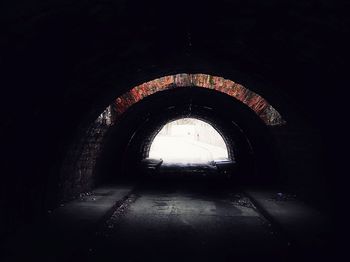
x=181, y=225
x=169, y=222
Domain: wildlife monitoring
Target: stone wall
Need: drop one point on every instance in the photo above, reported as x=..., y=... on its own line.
x=78, y=170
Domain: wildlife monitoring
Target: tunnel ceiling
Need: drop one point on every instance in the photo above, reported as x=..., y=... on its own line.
x=258, y=104
x=76, y=57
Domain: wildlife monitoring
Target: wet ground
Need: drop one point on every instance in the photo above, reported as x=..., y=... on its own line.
x=174, y=221
x=169, y=224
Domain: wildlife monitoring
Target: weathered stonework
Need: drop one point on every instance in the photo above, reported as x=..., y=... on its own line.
x=78, y=171
x=258, y=104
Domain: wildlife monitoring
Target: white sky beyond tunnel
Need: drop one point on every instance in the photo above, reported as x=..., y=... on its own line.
x=188, y=140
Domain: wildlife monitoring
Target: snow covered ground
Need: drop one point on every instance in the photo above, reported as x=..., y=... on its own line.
x=185, y=150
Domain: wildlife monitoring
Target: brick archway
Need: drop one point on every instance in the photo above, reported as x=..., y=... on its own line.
x=257, y=103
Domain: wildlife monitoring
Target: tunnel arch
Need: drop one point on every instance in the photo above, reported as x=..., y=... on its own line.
x=253, y=100
x=243, y=131
x=87, y=160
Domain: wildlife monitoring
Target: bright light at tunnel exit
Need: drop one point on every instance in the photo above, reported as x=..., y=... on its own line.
x=188, y=140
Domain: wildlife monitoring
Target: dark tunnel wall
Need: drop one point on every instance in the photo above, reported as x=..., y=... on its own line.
x=77, y=174
x=62, y=63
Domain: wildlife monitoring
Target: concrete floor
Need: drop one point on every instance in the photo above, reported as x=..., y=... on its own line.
x=179, y=225
x=161, y=222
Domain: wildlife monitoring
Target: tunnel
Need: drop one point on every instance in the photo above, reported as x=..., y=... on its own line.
x=129, y=140
x=174, y=131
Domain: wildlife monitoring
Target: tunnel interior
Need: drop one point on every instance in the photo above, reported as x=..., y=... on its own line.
x=110, y=147
x=247, y=138
x=88, y=86
x=107, y=156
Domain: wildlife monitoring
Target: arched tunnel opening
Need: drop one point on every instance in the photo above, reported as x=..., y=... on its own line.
x=166, y=157
x=251, y=159
x=194, y=141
